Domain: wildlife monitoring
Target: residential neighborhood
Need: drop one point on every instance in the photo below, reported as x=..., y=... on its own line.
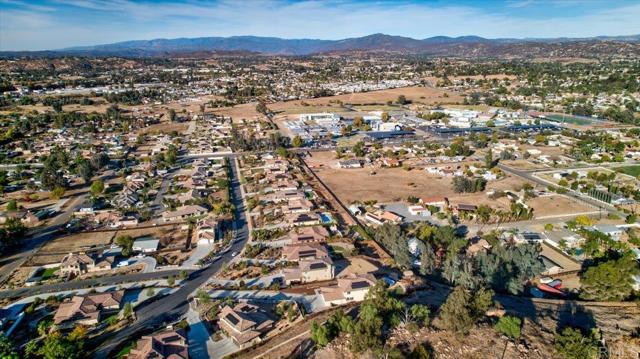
x=333, y=195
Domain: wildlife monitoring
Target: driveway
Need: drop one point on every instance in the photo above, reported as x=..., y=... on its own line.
x=200, y=252
x=200, y=344
x=149, y=263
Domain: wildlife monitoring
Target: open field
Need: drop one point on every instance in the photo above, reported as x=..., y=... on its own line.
x=393, y=184
x=164, y=127
x=557, y=205
x=369, y=100
x=629, y=170
x=78, y=242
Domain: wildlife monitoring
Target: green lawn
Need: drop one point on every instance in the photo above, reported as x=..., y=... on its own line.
x=49, y=272
x=126, y=349
x=569, y=119
x=630, y=170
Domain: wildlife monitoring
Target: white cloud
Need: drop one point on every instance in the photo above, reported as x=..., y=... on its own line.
x=85, y=22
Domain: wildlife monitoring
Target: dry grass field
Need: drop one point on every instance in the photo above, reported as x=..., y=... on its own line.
x=394, y=184
x=77, y=242
x=417, y=94
x=164, y=127
x=557, y=205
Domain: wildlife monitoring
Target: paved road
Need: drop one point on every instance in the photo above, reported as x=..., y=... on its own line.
x=88, y=283
x=176, y=304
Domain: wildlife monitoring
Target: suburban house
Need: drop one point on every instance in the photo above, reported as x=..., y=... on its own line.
x=314, y=263
x=88, y=309
x=81, y=263
x=245, y=323
x=304, y=235
x=184, y=212
x=460, y=208
x=349, y=289
x=310, y=270
x=437, y=201
x=297, y=206
x=614, y=232
x=303, y=219
x=351, y=163
x=207, y=231
x=417, y=210
x=171, y=344
x=374, y=218
x=299, y=252
x=146, y=245
x=391, y=217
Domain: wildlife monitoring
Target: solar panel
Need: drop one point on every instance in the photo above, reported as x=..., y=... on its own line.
x=230, y=318
x=359, y=285
x=317, y=265
x=308, y=253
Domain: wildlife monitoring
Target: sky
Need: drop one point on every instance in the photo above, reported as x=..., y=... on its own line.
x=56, y=24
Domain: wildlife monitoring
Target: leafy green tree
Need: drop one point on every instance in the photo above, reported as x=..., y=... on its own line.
x=358, y=149
x=392, y=238
x=420, y=313
x=12, y=205
x=462, y=309
x=97, y=187
x=571, y=343
x=56, y=346
x=57, y=192
x=427, y=259
x=488, y=159
x=297, y=142
x=84, y=170
x=203, y=296
x=419, y=352
x=509, y=326
x=611, y=280
x=367, y=332
x=127, y=310
x=172, y=115
x=319, y=334
x=126, y=243
x=7, y=348
x=507, y=268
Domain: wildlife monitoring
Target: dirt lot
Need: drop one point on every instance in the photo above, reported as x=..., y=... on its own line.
x=164, y=127
x=394, y=184
x=78, y=242
x=557, y=205
x=416, y=94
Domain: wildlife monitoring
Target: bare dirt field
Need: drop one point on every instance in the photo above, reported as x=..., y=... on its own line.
x=416, y=94
x=394, y=184
x=557, y=205
x=77, y=242
x=164, y=127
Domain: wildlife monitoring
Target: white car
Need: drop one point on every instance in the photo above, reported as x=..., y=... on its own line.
x=234, y=254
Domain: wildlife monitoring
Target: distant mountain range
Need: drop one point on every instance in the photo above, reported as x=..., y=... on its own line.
x=463, y=46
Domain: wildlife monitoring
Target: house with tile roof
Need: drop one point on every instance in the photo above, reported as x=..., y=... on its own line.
x=170, y=344
x=245, y=323
x=87, y=309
